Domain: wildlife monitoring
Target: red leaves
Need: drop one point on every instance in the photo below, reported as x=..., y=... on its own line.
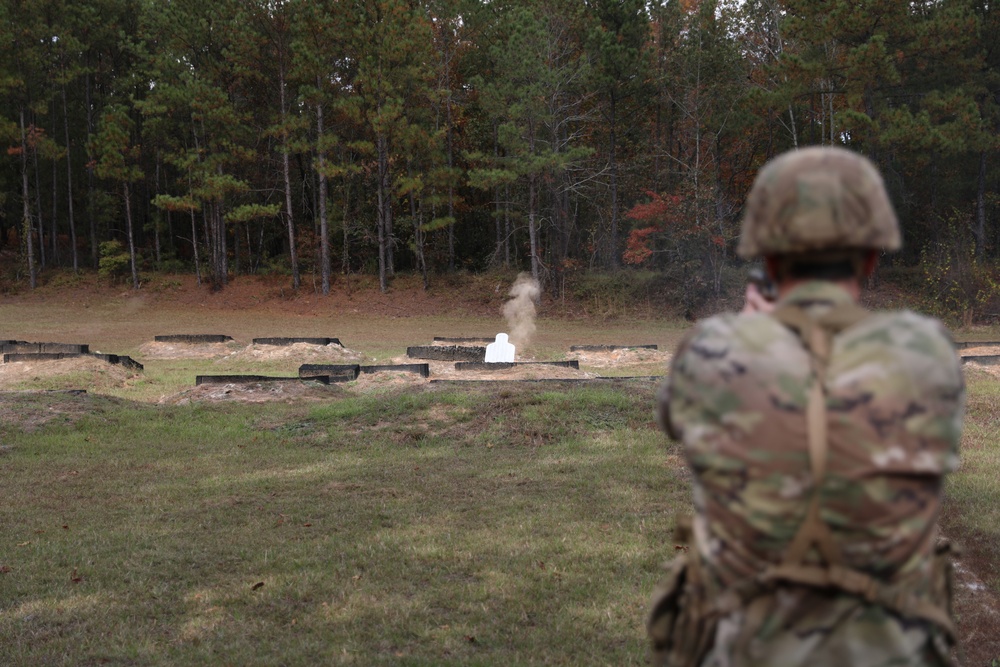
x=672, y=218
x=637, y=248
x=661, y=209
x=663, y=212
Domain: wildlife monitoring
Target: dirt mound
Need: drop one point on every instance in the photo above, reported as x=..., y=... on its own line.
x=88, y=373
x=305, y=352
x=286, y=391
x=973, y=367
x=158, y=350
x=620, y=357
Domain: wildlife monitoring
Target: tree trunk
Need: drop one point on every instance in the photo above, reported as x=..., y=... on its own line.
x=612, y=150
x=324, y=228
x=55, y=199
x=418, y=232
x=90, y=181
x=156, y=223
x=27, y=228
x=292, y=253
x=220, y=221
x=451, y=186
x=345, y=254
x=497, y=218
x=69, y=186
x=508, y=231
x=383, y=214
x=211, y=258
x=194, y=246
x=981, y=208
x=38, y=208
x=131, y=241
x=532, y=204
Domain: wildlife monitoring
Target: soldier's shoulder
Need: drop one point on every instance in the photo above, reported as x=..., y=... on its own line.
x=722, y=336
x=738, y=325
x=911, y=329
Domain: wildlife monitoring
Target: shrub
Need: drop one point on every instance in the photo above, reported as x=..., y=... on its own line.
x=958, y=286
x=114, y=263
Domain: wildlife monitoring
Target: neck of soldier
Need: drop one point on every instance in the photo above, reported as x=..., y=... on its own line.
x=850, y=285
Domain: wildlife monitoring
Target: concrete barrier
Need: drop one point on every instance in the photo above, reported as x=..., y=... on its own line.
x=447, y=352
x=120, y=359
x=484, y=339
x=24, y=347
x=483, y=366
x=336, y=372
x=247, y=379
x=635, y=378
x=609, y=348
x=423, y=370
x=292, y=341
x=15, y=357
x=964, y=345
x=193, y=338
x=984, y=360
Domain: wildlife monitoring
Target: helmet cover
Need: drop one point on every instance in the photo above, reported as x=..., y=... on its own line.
x=817, y=199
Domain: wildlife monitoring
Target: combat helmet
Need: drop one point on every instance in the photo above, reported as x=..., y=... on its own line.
x=817, y=199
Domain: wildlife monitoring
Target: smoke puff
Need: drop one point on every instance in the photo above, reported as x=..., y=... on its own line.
x=519, y=311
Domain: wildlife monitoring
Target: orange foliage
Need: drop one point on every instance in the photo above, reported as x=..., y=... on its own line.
x=662, y=211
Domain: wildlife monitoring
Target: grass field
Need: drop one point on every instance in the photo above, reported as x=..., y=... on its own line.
x=445, y=526
x=486, y=524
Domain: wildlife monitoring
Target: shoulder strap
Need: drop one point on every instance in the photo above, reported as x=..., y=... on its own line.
x=816, y=334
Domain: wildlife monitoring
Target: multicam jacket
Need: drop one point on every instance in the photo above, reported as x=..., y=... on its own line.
x=736, y=398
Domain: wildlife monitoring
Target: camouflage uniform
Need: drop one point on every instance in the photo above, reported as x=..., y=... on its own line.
x=737, y=398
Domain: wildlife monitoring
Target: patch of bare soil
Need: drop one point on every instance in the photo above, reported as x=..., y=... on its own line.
x=88, y=373
x=285, y=391
x=978, y=619
x=305, y=352
x=387, y=379
x=976, y=603
x=157, y=350
x=622, y=357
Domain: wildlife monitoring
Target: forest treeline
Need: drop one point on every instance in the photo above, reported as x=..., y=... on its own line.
x=318, y=137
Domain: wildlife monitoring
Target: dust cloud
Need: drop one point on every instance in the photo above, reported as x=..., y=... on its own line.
x=519, y=311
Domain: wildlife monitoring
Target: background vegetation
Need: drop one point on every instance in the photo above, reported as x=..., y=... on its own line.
x=320, y=137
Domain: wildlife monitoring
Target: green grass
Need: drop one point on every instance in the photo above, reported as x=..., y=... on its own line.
x=974, y=492
x=444, y=526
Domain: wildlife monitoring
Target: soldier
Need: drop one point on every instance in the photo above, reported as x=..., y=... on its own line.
x=818, y=435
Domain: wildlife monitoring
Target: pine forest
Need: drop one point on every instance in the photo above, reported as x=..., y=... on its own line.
x=316, y=138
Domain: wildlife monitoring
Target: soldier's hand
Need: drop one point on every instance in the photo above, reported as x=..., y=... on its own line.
x=755, y=301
